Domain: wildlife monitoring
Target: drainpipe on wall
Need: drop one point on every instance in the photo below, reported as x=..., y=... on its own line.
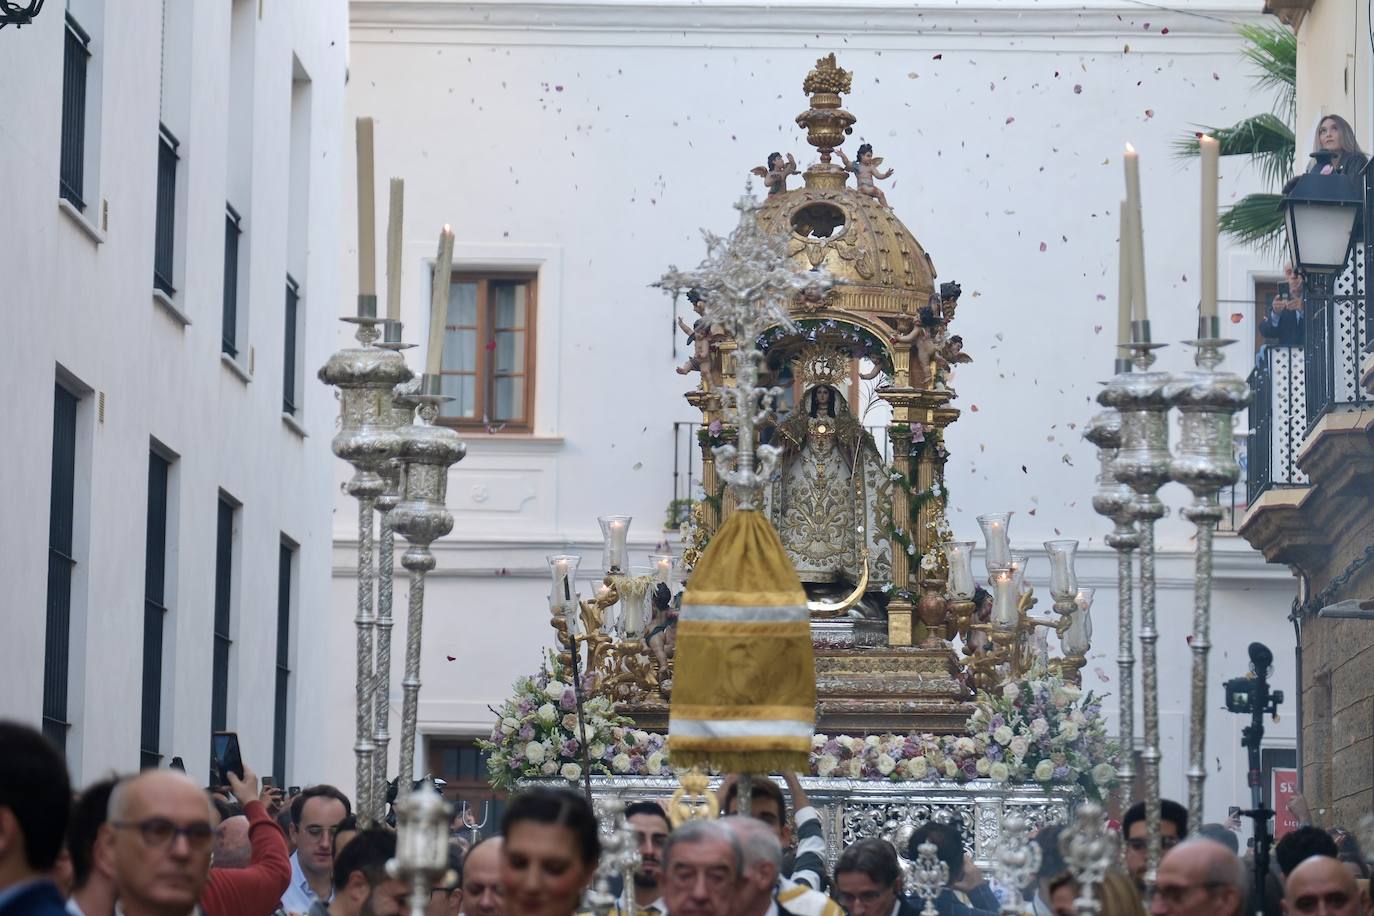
x=1299, y=604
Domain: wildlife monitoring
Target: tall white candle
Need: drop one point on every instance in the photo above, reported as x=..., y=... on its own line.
x=1139, y=311
x=367, y=213
x=438, y=303
x=1211, y=153
x=1123, y=282
x=393, y=249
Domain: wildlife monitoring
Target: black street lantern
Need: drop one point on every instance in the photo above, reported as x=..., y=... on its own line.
x=18, y=12
x=1320, y=214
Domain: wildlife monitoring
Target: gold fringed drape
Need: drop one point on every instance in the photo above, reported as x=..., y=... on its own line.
x=744, y=678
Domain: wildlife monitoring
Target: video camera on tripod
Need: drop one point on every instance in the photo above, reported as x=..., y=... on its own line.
x=1246, y=695
x=1251, y=696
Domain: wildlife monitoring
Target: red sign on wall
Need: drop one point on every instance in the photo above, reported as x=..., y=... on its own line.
x=1282, y=787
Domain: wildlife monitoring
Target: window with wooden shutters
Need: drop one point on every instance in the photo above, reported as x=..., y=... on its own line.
x=489, y=351
x=61, y=564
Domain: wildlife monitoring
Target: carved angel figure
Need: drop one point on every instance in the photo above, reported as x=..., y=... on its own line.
x=775, y=174
x=926, y=336
x=662, y=638
x=865, y=169
x=702, y=335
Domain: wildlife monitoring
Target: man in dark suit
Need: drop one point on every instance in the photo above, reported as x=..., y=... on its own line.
x=1284, y=324
x=35, y=798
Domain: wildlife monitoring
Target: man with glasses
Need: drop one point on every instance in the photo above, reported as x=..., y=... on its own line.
x=868, y=880
x=315, y=818
x=1199, y=877
x=157, y=843
x=702, y=867
x=1173, y=827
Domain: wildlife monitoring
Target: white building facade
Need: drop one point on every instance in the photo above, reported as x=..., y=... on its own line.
x=170, y=214
x=576, y=147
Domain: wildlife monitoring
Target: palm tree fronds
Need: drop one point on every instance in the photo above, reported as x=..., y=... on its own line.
x=1255, y=219
x=1264, y=138
x=1273, y=50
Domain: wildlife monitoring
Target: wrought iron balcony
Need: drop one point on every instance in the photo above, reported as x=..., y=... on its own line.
x=1338, y=332
x=1278, y=421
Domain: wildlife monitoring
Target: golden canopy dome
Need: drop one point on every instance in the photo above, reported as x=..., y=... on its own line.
x=828, y=223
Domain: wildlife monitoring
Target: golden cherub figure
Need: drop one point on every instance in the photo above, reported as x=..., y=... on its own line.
x=775, y=174
x=703, y=336
x=865, y=169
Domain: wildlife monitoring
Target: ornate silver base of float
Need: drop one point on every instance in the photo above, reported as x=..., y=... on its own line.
x=855, y=809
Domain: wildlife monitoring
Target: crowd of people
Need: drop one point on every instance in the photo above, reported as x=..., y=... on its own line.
x=157, y=844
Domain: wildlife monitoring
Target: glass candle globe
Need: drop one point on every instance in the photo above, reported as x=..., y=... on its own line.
x=615, y=529
x=1063, y=579
x=996, y=537
x=959, y=555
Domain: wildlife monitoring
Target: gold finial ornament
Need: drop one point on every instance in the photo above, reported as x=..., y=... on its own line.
x=828, y=78
x=825, y=121
x=693, y=801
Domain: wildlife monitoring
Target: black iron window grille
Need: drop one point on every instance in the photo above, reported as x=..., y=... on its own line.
x=288, y=394
x=76, y=55
x=165, y=240
x=224, y=574
x=286, y=557
x=229, y=330
x=154, y=612
x=61, y=563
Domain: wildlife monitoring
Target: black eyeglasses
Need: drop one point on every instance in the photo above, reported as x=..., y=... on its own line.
x=158, y=832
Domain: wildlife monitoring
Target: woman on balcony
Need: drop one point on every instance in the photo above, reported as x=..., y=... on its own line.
x=1335, y=136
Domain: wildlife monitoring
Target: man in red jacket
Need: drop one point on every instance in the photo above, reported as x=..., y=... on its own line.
x=254, y=890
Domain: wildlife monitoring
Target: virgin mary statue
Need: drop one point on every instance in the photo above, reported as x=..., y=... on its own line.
x=832, y=499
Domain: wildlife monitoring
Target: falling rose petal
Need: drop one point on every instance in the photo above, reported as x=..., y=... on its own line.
x=1149, y=113
x=973, y=407
x=557, y=88
x=1031, y=512
x=452, y=658
x=1097, y=329
x=1009, y=120
x=491, y=345
x=1164, y=31
x=1216, y=76
x=1101, y=675
x=1237, y=317
x=1023, y=470
x=1043, y=246
x=938, y=57
x=1077, y=88
x=1101, y=297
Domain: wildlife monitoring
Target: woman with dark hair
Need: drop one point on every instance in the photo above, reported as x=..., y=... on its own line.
x=549, y=853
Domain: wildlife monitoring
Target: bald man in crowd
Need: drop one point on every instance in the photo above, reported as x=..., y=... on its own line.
x=1321, y=886
x=1199, y=877
x=483, y=892
x=157, y=843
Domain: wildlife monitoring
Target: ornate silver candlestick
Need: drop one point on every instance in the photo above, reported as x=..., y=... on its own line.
x=1207, y=401
x=421, y=517
x=1142, y=463
x=401, y=412
x=928, y=876
x=422, y=819
x=365, y=376
x=1015, y=863
x=1115, y=500
x=1090, y=848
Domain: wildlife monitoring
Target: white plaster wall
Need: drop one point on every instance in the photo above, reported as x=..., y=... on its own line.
x=88, y=308
x=593, y=140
